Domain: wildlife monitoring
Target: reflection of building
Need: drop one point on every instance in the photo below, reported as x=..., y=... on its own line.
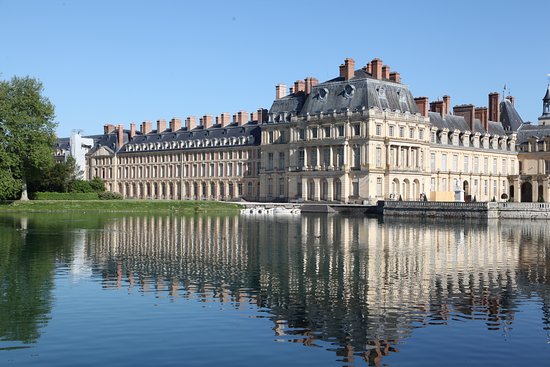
x=359, y=136
x=356, y=281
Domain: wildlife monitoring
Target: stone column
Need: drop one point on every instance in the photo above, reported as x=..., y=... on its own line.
x=331, y=158
x=330, y=189
x=345, y=188
x=304, y=188
x=318, y=163
x=305, y=160
x=317, y=193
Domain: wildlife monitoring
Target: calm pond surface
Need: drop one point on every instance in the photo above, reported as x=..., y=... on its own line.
x=89, y=290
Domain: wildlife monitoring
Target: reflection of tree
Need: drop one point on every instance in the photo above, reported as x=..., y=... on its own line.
x=30, y=246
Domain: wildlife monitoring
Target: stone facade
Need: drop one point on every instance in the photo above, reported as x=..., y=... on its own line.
x=360, y=137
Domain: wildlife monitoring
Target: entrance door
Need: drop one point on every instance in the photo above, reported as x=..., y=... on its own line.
x=526, y=192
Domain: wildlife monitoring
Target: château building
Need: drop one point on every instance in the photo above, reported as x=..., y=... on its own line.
x=359, y=137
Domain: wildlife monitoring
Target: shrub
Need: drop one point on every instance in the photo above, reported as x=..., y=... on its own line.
x=80, y=186
x=97, y=184
x=109, y=196
x=65, y=196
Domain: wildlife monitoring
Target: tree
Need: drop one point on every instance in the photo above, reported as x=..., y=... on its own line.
x=26, y=134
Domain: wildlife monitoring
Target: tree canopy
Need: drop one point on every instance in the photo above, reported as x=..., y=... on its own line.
x=26, y=135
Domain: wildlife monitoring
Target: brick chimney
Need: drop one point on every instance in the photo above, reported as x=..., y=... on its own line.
x=242, y=117
x=161, y=126
x=481, y=114
x=376, y=66
x=511, y=99
x=108, y=128
x=422, y=105
x=262, y=115
x=120, y=136
x=175, y=124
x=310, y=83
x=347, y=69
x=191, y=122
x=437, y=106
x=468, y=112
x=207, y=121
x=367, y=68
x=299, y=86
x=446, y=104
x=395, y=77
x=132, y=130
x=494, y=107
x=385, y=72
x=280, y=91
x=146, y=127
x=224, y=119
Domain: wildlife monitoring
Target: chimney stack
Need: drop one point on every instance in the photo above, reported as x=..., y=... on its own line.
x=310, y=83
x=347, y=69
x=146, y=127
x=376, y=66
x=280, y=91
x=511, y=99
x=385, y=72
x=241, y=117
x=367, y=68
x=482, y=114
x=299, y=86
x=175, y=124
x=207, y=121
x=191, y=122
x=494, y=107
x=437, y=106
x=468, y=112
x=132, y=130
x=422, y=105
x=108, y=128
x=161, y=126
x=120, y=136
x=446, y=105
x=224, y=119
x=262, y=115
x=395, y=77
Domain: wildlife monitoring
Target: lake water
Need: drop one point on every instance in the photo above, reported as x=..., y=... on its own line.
x=92, y=290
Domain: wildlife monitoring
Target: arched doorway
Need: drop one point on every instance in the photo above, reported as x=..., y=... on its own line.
x=406, y=190
x=395, y=189
x=526, y=192
x=337, y=194
x=416, y=189
x=466, y=188
x=324, y=190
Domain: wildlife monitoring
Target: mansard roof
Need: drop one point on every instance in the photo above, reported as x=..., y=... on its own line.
x=528, y=130
x=217, y=135
x=510, y=118
x=454, y=122
x=338, y=94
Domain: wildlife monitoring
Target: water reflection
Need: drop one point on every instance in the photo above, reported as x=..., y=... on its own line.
x=356, y=286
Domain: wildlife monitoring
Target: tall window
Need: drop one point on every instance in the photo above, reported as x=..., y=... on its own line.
x=432, y=162
x=340, y=130
x=466, y=161
x=356, y=156
x=379, y=186
x=327, y=131
x=378, y=129
x=455, y=163
x=444, y=162
x=281, y=160
x=314, y=132
x=301, y=158
x=391, y=132
x=270, y=160
x=378, y=157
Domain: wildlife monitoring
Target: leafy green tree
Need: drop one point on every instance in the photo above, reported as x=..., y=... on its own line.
x=58, y=178
x=80, y=186
x=26, y=134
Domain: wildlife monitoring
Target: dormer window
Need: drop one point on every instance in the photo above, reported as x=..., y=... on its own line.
x=349, y=91
x=323, y=93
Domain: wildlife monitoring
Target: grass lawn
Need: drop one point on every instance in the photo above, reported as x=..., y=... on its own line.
x=133, y=206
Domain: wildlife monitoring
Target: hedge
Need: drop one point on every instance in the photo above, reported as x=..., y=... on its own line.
x=65, y=196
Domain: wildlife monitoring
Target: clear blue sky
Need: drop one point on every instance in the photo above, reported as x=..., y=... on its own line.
x=107, y=61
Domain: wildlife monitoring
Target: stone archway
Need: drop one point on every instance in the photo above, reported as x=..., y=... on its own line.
x=466, y=188
x=406, y=190
x=526, y=192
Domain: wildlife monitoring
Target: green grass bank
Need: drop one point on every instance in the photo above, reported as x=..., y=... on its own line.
x=129, y=206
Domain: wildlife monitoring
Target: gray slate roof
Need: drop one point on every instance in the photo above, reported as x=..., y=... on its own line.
x=453, y=122
x=199, y=133
x=510, y=118
x=528, y=130
x=355, y=94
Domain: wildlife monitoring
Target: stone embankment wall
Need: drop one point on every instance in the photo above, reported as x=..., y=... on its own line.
x=482, y=210
x=479, y=210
